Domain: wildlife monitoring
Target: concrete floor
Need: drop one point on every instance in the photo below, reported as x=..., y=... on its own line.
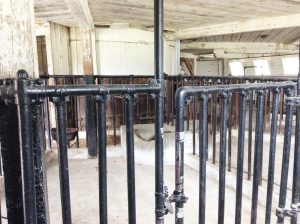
x=84, y=183
x=84, y=194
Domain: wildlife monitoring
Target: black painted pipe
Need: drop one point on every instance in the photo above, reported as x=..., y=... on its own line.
x=285, y=157
x=91, y=125
x=39, y=163
x=272, y=153
x=240, y=157
x=102, y=155
x=25, y=118
x=257, y=153
x=61, y=105
x=159, y=110
x=130, y=159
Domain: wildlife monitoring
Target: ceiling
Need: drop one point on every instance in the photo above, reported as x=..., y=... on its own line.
x=286, y=36
x=181, y=14
x=53, y=10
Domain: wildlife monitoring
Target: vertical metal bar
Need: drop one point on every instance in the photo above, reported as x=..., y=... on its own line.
x=222, y=160
x=194, y=125
x=159, y=112
x=203, y=148
x=257, y=153
x=102, y=164
x=24, y=113
x=230, y=106
x=296, y=173
x=39, y=163
x=285, y=156
x=130, y=159
x=48, y=118
x=250, y=135
x=147, y=101
x=76, y=114
x=214, y=124
x=91, y=126
x=167, y=85
x=172, y=102
x=61, y=105
x=194, y=120
x=281, y=110
x=188, y=117
x=272, y=153
x=11, y=157
x=179, y=160
x=240, y=158
x=114, y=119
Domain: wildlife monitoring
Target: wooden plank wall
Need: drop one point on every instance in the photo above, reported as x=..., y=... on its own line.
x=60, y=44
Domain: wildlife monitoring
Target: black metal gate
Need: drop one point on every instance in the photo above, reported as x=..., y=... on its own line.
x=26, y=96
x=244, y=91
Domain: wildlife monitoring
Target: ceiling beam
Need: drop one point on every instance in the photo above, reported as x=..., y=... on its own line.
x=267, y=23
x=81, y=13
x=242, y=47
x=221, y=54
x=187, y=55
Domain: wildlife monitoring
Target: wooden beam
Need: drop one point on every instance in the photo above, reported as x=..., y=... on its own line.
x=223, y=55
x=243, y=47
x=87, y=46
x=267, y=23
x=18, y=40
x=80, y=11
x=187, y=55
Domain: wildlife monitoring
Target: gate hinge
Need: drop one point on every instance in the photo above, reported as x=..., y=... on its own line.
x=176, y=198
x=288, y=212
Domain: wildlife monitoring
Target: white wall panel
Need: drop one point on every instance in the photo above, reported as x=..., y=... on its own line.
x=207, y=67
x=122, y=52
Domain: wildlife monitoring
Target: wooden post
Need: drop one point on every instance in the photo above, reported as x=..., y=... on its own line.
x=91, y=115
x=87, y=52
x=18, y=51
x=17, y=38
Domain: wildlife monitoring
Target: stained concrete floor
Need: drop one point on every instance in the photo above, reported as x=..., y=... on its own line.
x=84, y=194
x=84, y=185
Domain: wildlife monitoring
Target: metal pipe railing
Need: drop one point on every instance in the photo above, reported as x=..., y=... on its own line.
x=30, y=96
x=203, y=93
x=172, y=83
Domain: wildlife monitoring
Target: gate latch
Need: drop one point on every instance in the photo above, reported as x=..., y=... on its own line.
x=288, y=212
x=173, y=198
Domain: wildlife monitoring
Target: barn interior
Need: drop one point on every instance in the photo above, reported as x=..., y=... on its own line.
x=149, y=111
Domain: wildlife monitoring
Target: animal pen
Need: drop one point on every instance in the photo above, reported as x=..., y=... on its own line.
x=210, y=107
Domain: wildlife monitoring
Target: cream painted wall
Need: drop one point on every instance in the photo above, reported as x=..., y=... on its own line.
x=208, y=67
x=122, y=52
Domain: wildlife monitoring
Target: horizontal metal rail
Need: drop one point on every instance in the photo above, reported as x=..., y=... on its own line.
x=176, y=77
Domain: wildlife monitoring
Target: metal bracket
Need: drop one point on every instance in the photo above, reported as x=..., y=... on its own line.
x=288, y=212
x=174, y=198
x=292, y=101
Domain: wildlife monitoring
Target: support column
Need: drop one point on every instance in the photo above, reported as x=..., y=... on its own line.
x=18, y=36
x=91, y=115
x=177, y=57
x=88, y=52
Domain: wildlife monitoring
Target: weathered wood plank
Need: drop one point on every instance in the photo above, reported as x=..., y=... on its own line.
x=17, y=38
